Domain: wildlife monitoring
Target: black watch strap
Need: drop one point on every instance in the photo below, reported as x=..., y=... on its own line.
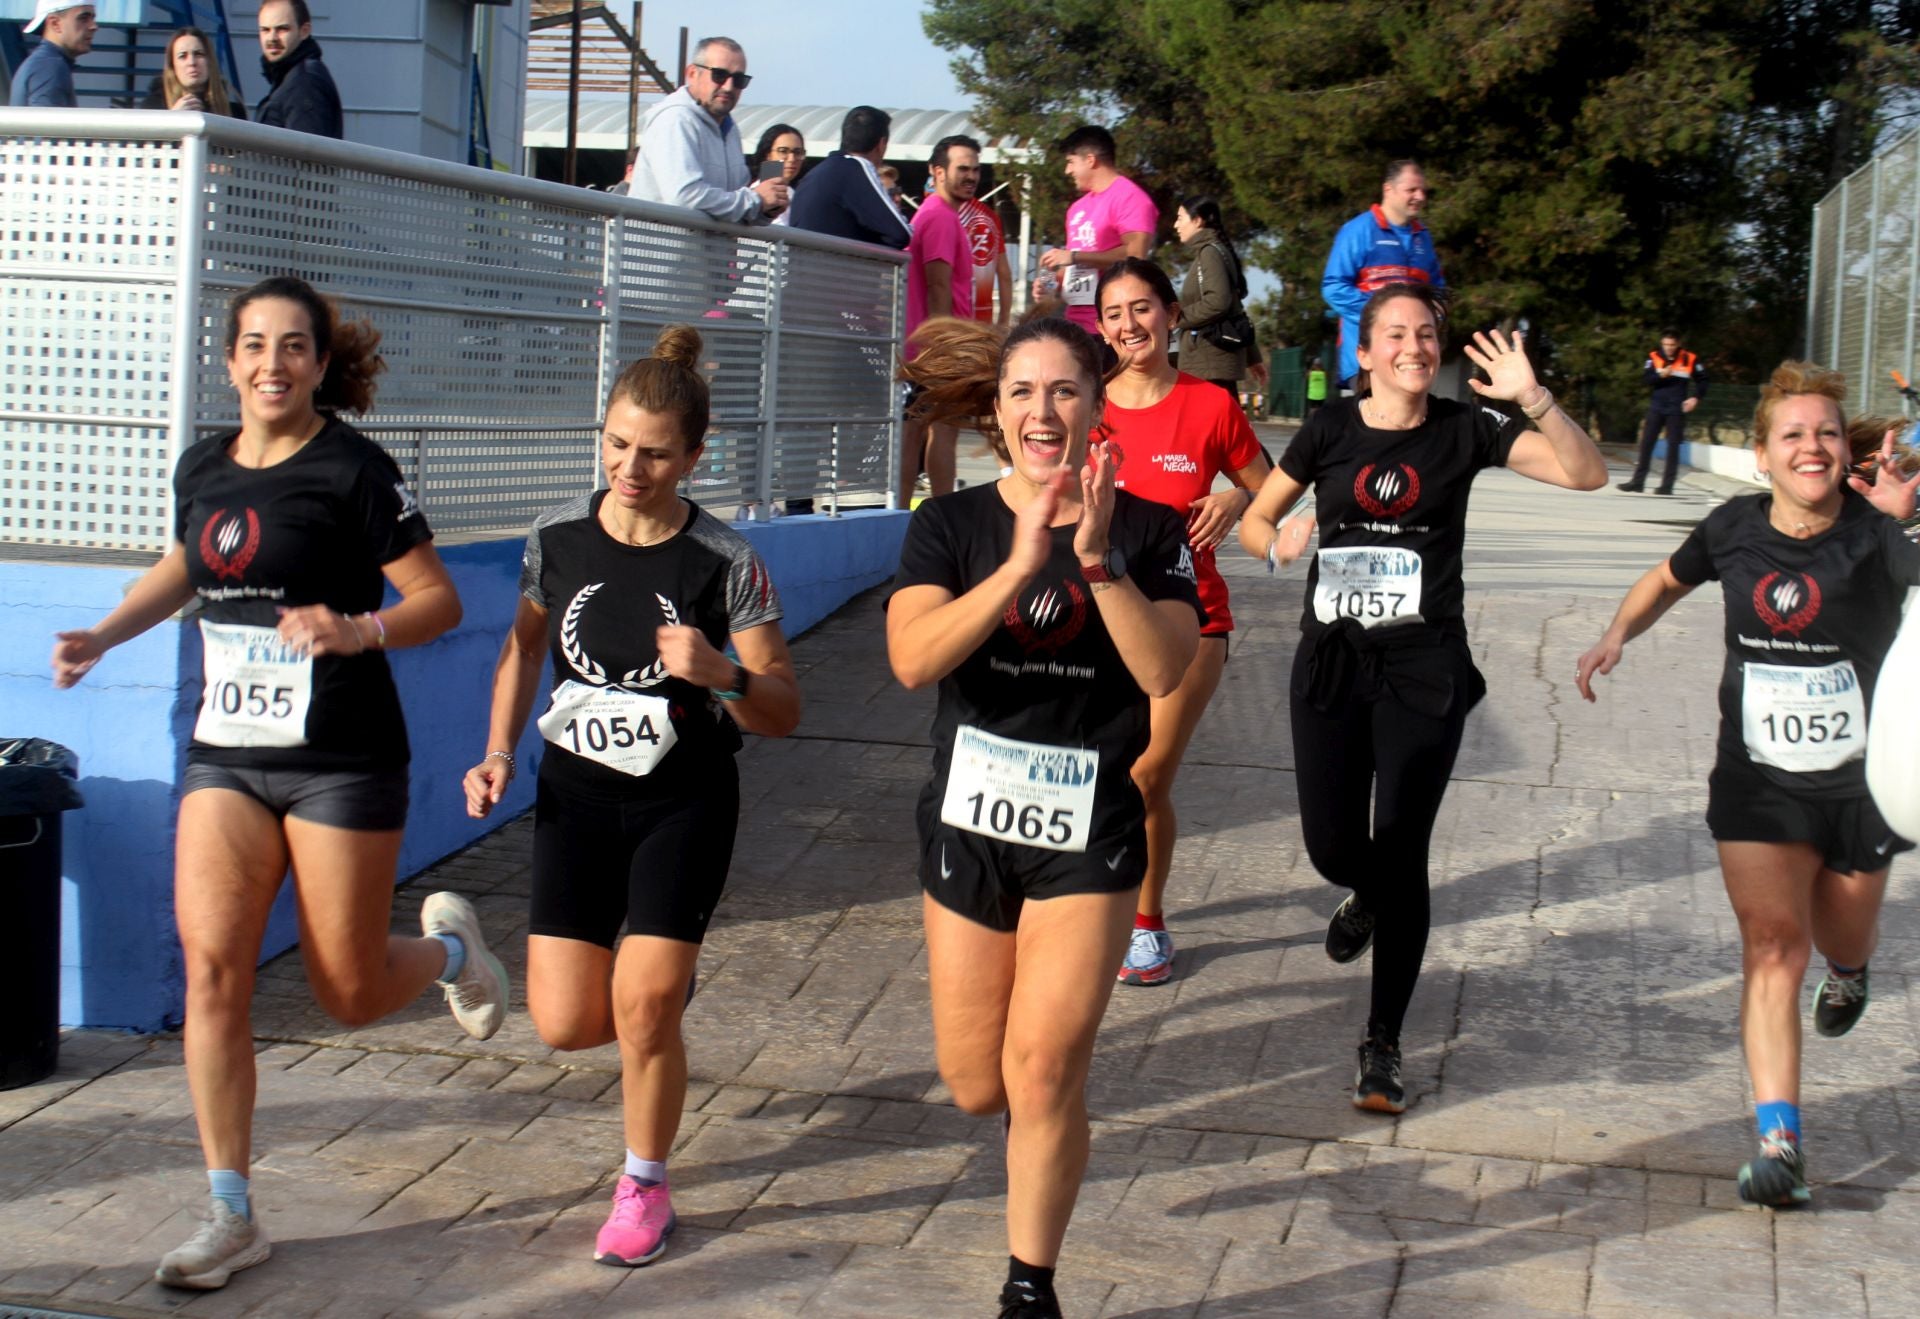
x=737, y=687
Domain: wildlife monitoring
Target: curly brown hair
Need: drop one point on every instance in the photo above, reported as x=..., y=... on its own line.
x=350, y=347
x=958, y=363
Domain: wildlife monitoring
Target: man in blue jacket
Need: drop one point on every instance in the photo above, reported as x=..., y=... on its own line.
x=45, y=76
x=1384, y=244
x=302, y=95
x=843, y=194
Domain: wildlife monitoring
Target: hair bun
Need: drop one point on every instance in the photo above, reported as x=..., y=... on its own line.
x=678, y=344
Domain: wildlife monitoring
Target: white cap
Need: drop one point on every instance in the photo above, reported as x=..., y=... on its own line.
x=47, y=8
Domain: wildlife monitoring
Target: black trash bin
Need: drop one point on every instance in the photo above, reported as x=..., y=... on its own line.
x=36, y=784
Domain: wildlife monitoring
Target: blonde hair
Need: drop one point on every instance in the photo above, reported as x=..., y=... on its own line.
x=1865, y=434
x=666, y=382
x=216, y=94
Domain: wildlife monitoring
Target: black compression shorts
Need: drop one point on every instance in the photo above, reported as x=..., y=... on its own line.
x=1850, y=832
x=373, y=800
x=987, y=880
x=657, y=865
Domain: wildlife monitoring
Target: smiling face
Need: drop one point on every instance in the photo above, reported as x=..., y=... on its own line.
x=1135, y=323
x=275, y=366
x=1046, y=406
x=188, y=59
x=281, y=32
x=1402, y=349
x=1804, y=452
x=645, y=457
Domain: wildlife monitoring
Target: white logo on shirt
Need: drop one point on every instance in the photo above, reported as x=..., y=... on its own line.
x=1176, y=462
x=409, y=506
x=590, y=672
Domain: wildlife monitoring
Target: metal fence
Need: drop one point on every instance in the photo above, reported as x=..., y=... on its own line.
x=1865, y=273
x=507, y=308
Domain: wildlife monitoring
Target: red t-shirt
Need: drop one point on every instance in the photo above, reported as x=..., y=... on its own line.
x=1171, y=453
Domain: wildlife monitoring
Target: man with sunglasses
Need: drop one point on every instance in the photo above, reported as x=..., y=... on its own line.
x=690, y=151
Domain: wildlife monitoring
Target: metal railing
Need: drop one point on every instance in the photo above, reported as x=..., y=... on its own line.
x=507, y=308
x=1864, y=276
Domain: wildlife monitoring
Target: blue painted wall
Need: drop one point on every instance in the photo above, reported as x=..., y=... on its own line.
x=131, y=720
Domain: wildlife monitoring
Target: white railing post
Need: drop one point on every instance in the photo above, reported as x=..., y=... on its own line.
x=1813, y=280
x=1863, y=383
x=833, y=487
x=1840, y=275
x=612, y=250
x=895, y=347
x=189, y=247
x=770, y=379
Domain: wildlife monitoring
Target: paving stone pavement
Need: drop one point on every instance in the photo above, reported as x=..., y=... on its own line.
x=1578, y=1101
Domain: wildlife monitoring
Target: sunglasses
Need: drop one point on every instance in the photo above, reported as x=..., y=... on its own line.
x=722, y=76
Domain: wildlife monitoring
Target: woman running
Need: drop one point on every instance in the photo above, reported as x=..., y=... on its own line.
x=1168, y=436
x=634, y=591
x=1813, y=573
x=284, y=530
x=1383, y=679
x=1048, y=607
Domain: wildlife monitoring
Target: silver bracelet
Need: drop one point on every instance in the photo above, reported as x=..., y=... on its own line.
x=512, y=768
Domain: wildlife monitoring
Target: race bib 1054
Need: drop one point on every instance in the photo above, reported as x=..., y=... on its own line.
x=1803, y=719
x=258, y=688
x=1371, y=585
x=620, y=729
x=1021, y=792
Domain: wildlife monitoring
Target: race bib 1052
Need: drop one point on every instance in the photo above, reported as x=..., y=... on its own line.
x=1021, y=792
x=258, y=688
x=1803, y=719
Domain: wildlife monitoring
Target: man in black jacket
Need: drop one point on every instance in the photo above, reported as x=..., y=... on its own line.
x=1677, y=382
x=302, y=95
x=843, y=194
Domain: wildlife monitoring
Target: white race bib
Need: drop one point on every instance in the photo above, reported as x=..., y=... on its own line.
x=1803, y=719
x=258, y=688
x=619, y=729
x=1077, y=284
x=1371, y=585
x=1021, y=792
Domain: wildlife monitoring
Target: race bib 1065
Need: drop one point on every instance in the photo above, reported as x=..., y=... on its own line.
x=1372, y=585
x=1803, y=719
x=620, y=729
x=258, y=688
x=1021, y=792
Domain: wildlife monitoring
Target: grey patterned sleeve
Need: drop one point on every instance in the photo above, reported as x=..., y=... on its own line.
x=530, y=558
x=751, y=597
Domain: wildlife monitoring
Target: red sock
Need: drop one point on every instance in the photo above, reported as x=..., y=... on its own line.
x=1144, y=922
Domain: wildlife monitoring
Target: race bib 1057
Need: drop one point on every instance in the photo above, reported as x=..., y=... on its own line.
x=1371, y=585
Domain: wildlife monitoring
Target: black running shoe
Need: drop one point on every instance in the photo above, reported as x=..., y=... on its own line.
x=1838, y=1003
x=1376, y=1085
x=1632, y=487
x=1020, y=1300
x=1350, y=932
x=1778, y=1177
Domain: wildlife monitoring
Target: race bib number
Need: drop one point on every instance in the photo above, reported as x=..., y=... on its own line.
x=258, y=688
x=1021, y=792
x=622, y=730
x=1803, y=719
x=1371, y=586
x=1077, y=284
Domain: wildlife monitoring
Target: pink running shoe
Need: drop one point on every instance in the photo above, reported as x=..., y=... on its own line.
x=636, y=1231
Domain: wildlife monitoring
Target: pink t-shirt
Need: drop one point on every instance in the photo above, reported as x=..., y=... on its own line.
x=1098, y=222
x=938, y=235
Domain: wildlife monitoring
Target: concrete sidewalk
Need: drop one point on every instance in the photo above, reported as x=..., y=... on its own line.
x=1578, y=1106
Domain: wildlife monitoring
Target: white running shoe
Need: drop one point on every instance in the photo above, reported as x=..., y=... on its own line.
x=225, y=1244
x=480, y=994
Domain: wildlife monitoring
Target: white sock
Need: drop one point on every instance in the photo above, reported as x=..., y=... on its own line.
x=645, y=1170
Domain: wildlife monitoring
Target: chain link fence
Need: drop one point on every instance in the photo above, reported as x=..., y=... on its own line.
x=1861, y=311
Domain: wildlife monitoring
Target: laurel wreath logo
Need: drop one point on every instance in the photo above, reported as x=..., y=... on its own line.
x=584, y=664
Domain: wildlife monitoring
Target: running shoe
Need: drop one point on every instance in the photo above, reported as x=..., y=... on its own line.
x=480, y=993
x=224, y=1244
x=1350, y=932
x=1838, y=1003
x=1149, y=958
x=636, y=1231
x=1021, y=1300
x=1778, y=1177
x=1376, y=1084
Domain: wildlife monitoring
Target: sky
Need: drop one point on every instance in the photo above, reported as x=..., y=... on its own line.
x=815, y=52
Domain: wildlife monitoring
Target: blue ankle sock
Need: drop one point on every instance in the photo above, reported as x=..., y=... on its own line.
x=647, y=1172
x=1845, y=972
x=456, y=956
x=230, y=1188
x=1777, y=1116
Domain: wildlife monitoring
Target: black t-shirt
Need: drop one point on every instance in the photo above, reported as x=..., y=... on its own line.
x=1049, y=673
x=1402, y=493
x=314, y=529
x=605, y=600
x=1811, y=605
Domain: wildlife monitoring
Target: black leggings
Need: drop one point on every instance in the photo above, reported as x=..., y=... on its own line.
x=1373, y=749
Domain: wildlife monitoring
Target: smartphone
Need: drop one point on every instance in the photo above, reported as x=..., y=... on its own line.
x=771, y=169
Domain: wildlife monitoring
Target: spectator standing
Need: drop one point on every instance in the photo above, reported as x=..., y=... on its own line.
x=1678, y=383
x=625, y=185
x=844, y=194
x=190, y=79
x=1215, y=336
x=1384, y=244
x=1316, y=386
x=1112, y=219
x=991, y=271
x=45, y=76
x=301, y=95
x=784, y=143
x=690, y=152
x=939, y=283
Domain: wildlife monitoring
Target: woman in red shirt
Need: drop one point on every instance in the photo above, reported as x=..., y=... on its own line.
x=1171, y=435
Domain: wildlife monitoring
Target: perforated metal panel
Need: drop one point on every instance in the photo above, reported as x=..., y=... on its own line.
x=1864, y=277
x=505, y=307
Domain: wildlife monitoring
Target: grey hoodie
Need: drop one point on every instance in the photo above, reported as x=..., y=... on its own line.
x=687, y=159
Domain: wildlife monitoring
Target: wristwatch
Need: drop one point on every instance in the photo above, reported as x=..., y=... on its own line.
x=737, y=685
x=1111, y=568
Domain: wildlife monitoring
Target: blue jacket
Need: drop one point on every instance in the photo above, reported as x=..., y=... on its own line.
x=303, y=96
x=45, y=77
x=842, y=195
x=1368, y=253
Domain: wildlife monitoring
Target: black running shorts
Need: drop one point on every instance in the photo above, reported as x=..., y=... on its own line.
x=1850, y=832
x=373, y=800
x=656, y=865
x=988, y=880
